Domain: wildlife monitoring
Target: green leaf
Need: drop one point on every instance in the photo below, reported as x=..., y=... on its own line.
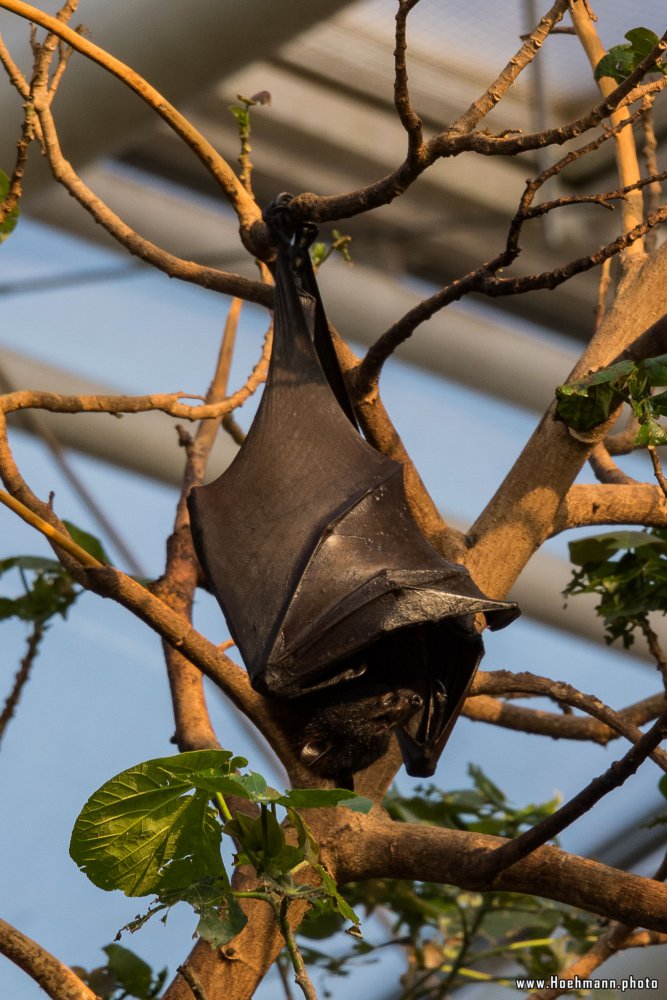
x=318, y=798
x=36, y=563
x=642, y=40
x=586, y=408
x=621, y=60
x=331, y=890
x=150, y=829
x=655, y=370
x=220, y=925
x=90, y=543
x=131, y=972
x=617, y=64
x=614, y=373
x=242, y=116
x=597, y=548
x=662, y=785
x=658, y=404
x=650, y=433
x=9, y=223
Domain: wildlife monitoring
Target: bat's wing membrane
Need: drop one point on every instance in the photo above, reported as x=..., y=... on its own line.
x=312, y=552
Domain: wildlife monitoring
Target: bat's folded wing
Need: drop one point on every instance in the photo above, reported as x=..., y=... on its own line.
x=371, y=574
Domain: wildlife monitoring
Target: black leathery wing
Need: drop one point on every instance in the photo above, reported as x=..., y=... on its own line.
x=326, y=582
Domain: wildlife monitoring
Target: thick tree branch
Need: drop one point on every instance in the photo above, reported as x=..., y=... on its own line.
x=586, y=505
x=606, y=470
x=56, y=979
x=364, y=847
x=524, y=510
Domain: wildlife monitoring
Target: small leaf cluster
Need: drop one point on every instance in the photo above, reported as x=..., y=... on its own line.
x=627, y=570
x=124, y=975
x=340, y=243
x=241, y=111
x=156, y=830
x=587, y=403
x=622, y=60
x=8, y=224
x=454, y=937
x=48, y=589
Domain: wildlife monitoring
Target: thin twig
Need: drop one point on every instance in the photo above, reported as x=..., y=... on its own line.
x=410, y=121
x=22, y=675
x=194, y=730
x=603, y=291
x=655, y=648
x=649, y=155
x=504, y=857
x=657, y=468
x=301, y=977
x=245, y=206
x=519, y=61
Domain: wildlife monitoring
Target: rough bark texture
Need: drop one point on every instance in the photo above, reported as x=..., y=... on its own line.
x=525, y=509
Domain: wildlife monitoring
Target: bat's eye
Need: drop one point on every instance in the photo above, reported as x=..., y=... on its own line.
x=416, y=701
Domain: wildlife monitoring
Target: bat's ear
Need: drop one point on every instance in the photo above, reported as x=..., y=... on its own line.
x=313, y=751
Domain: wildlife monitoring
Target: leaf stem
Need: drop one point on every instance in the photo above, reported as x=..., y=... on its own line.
x=223, y=807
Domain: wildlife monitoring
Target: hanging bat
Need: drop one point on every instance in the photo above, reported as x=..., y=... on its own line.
x=336, y=601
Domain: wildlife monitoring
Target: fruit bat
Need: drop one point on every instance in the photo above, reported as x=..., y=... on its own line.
x=335, y=600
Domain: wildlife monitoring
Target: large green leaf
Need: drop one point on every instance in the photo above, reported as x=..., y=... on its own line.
x=151, y=830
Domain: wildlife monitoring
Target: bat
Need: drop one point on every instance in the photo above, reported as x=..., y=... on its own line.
x=337, y=603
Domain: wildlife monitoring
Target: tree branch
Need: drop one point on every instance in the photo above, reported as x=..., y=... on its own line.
x=244, y=205
x=626, y=152
x=366, y=847
x=614, y=776
x=178, y=584
x=22, y=675
x=308, y=206
x=185, y=270
x=500, y=682
x=525, y=508
x=586, y=505
x=56, y=979
x=495, y=93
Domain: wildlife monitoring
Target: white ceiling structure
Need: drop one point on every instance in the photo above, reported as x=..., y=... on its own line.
x=330, y=127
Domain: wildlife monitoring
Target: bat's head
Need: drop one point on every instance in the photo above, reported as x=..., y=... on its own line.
x=349, y=726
